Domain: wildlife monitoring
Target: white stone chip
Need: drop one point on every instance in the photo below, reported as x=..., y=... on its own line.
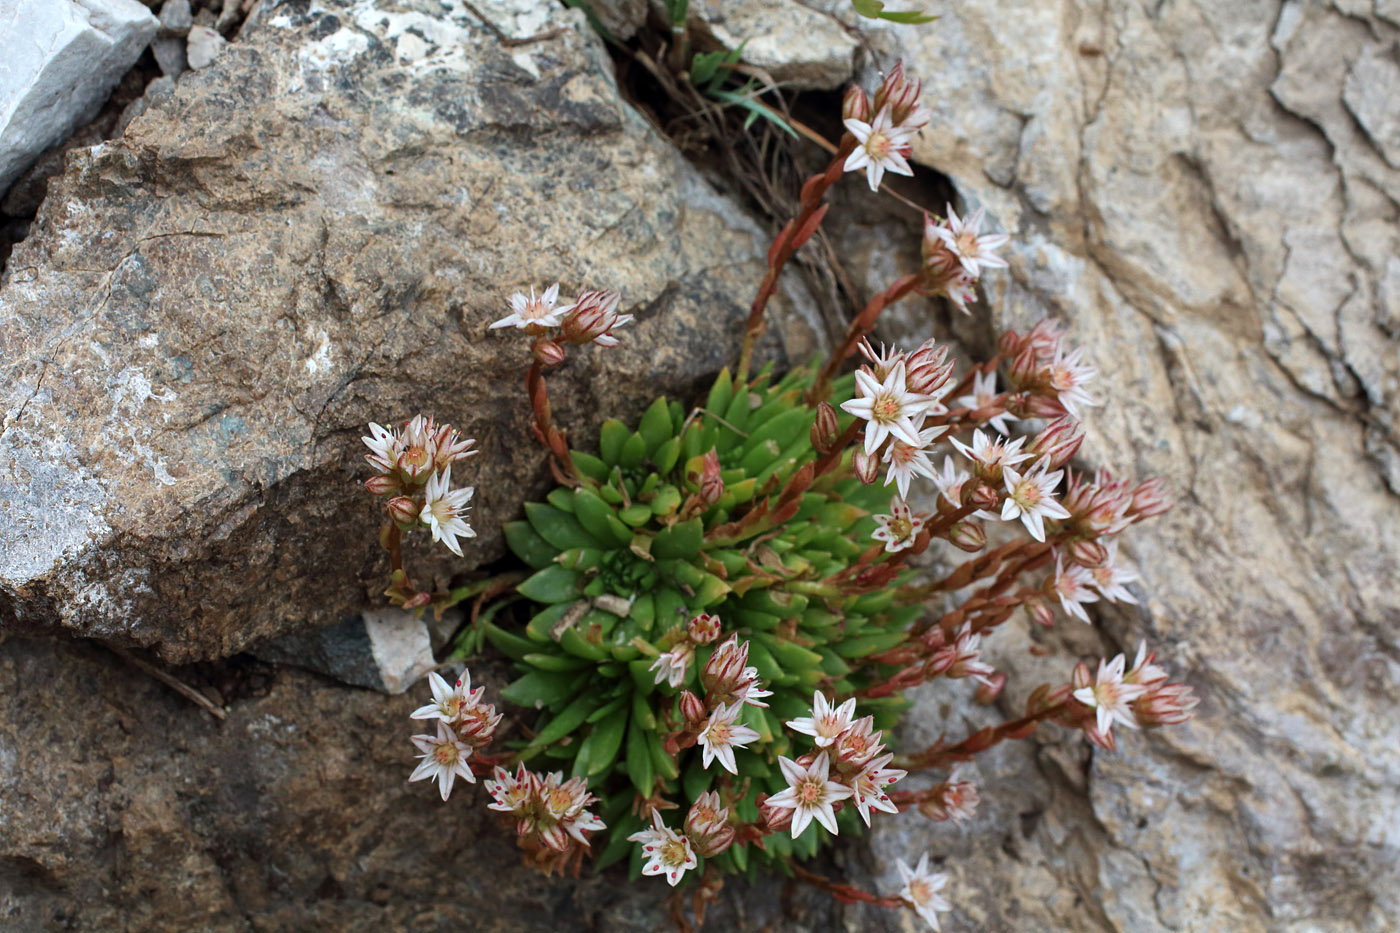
x=402, y=647
x=204, y=45
x=60, y=60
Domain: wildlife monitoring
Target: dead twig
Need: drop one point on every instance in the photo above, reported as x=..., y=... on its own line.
x=171, y=681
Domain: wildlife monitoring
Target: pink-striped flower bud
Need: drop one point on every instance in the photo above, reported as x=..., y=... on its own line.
x=855, y=105
x=1081, y=677
x=902, y=99
x=1056, y=444
x=928, y=370
x=547, y=352
x=403, y=511
x=985, y=498
x=384, y=484
x=967, y=536
x=1088, y=553
x=693, y=710
x=1166, y=705
x=723, y=672
x=703, y=628
x=1150, y=497
x=951, y=800
x=707, y=826
x=711, y=484
x=866, y=466
x=592, y=318
x=1040, y=613
x=826, y=431
x=477, y=724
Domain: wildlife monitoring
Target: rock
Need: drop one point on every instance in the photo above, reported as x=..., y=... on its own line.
x=798, y=46
x=203, y=46
x=170, y=56
x=386, y=650
x=311, y=234
x=128, y=807
x=175, y=15
x=62, y=59
x=1203, y=193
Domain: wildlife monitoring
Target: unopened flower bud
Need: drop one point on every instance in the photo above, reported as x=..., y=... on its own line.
x=1088, y=553
x=928, y=369
x=703, y=629
x=986, y=499
x=383, y=484
x=1040, y=613
x=1009, y=343
x=547, y=352
x=693, y=710
x=825, y=430
x=967, y=536
x=593, y=317
x=990, y=688
x=1059, y=442
x=403, y=511
x=707, y=826
x=711, y=484
x=1150, y=497
x=1081, y=677
x=866, y=466
x=855, y=105
x=902, y=99
x=1168, y=705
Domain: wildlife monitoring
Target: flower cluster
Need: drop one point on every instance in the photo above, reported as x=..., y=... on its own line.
x=589, y=318
x=847, y=765
x=465, y=725
x=883, y=140
x=550, y=815
x=413, y=474
x=1140, y=697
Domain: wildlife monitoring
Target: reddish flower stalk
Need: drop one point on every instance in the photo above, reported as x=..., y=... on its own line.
x=942, y=756
x=549, y=435
x=797, y=232
x=862, y=325
x=845, y=893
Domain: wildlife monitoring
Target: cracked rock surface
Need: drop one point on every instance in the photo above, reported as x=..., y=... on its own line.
x=1208, y=195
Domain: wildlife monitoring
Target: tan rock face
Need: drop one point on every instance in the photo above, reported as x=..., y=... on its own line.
x=1207, y=194
x=313, y=235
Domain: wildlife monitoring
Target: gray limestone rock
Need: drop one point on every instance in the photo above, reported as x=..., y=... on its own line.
x=61, y=58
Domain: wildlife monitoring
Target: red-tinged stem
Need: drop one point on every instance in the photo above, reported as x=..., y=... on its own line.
x=941, y=756
x=549, y=435
x=792, y=236
x=862, y=325
x=845, y=893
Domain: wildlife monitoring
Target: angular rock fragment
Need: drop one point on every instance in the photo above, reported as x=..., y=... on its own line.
x=60, y=60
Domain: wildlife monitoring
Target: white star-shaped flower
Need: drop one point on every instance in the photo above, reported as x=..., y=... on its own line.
x=880, y=148
x=443, y=509
x=868, y=787
x=1030, y=498
x=666, y=851
x=810, y=794
x=449, y=703
x=1110, y=697
x=920, y=891
x=888, y=407
x=827, y=722
x=670, y=666
x=722, y=734
x=984, y=389
x=539, y=312
x=900, y=528
x=905, y=461
x=964, y=240
x=444, y=758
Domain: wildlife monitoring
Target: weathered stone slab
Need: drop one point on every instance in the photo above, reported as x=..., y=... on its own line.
x=311, y=234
